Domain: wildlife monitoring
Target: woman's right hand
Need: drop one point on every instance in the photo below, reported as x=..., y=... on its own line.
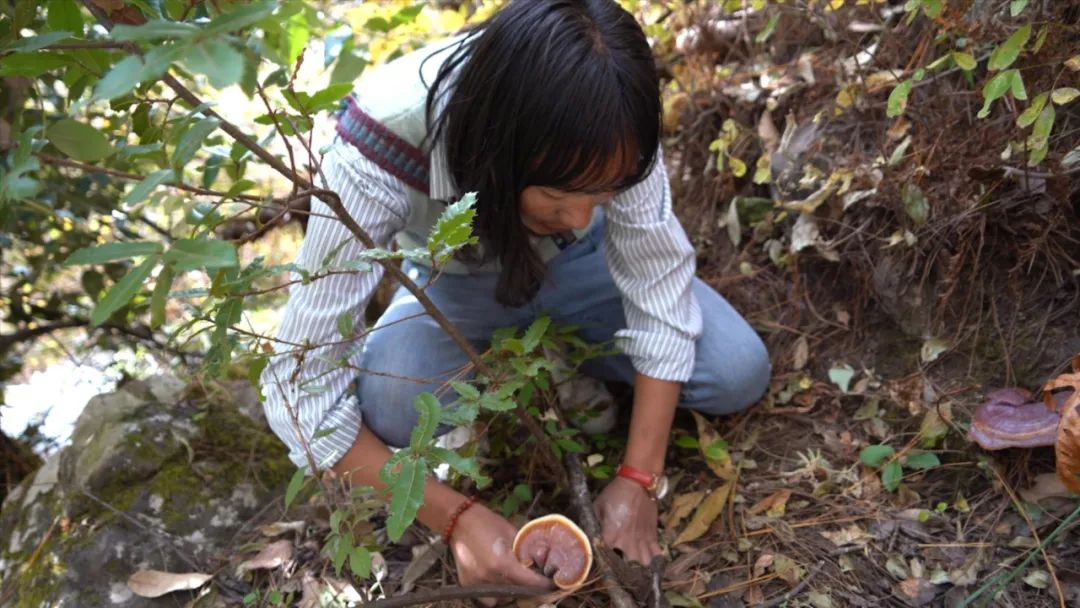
x=482, y=544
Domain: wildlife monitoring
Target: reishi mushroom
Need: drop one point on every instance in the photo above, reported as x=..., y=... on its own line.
x=558, y=547
x=1011, y=419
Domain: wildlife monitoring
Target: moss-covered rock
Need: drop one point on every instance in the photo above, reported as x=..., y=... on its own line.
x=152, y=479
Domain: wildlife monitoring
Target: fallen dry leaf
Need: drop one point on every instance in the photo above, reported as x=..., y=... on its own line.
x=1067, y=447
x=916, y=591
x=708, y=437
x=802, y=353
x=1047, y=485
x=272, y=556
x=311, y=591
x=424, y=557
x=753, y=595
x=819, y=600
x=155, y=583
x=281, y=527
x=683, y=506
x=788, y=570
x=851, y=535
x=706, y=514
x=772, y=505
x=763, y=563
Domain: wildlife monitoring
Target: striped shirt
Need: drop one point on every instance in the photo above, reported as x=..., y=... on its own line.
x=649, y=256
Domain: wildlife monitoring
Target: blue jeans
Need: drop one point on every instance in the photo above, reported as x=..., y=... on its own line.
x=731, y=369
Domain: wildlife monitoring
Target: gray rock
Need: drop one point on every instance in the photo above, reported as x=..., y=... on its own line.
x=179, y=478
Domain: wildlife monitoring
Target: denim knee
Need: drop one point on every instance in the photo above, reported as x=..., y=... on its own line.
x=730, y=382
x=388, y=407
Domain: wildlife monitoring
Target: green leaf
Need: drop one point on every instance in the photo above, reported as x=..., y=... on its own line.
x=79, y=140
x=1064, y=95
x=453, y=230
x=360, y=562
x=147, y=185
x=1044, y=124
x=765, y=33
x=345, y=324
x=467, y=391
x=154, y=30
x=686, y=442
x=130, y=71
x=64, y=16
x=326, y=99
x=922, y=461
x=874, y=455
x=965, y=61
x=1017, y=85
x=160, y=295
x=297, y=32
x=1029, y=115
x=112, y=252
x=377, y=24
x=222, y=64
x=189, y=254
x=461, y=464
x=915, y=203
x=932, y=8
x=31, y=64
x=293, y=489
x=1017, y=6
x=994, y=90
x=34, y=43
x=1005, y=54
x=348, y=68
x=429, y=408
x=124, y=76
x=407, y=15
x=717, y=450
x=341, y=553
x=240, y=18
x=1039, y=142
x=122, y=292
x=324, y=433
x=891, y=476
x=407, y=494
x=254, y=373
x=898, y=99
x=532, y=336
x=190, y=143
x=841, y=376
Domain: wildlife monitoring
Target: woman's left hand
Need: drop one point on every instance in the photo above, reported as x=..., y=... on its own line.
x=628, y=520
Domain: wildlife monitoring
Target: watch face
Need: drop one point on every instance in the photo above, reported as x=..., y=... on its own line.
x=661, y=487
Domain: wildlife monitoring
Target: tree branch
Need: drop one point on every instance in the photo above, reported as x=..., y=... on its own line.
x=457, y=593
x=23, y=335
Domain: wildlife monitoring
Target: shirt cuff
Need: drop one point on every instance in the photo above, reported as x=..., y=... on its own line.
x=336, y=434
x=666, y=356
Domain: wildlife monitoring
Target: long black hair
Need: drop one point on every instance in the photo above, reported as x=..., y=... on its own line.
x=545, y=93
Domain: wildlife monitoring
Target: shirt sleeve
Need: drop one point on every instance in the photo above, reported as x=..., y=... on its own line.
x=313, y=388
x=653, y=263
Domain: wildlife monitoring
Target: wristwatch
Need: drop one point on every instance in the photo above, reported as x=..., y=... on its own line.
x=655, y=484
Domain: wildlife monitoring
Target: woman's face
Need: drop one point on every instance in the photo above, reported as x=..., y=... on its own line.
x=547, y=210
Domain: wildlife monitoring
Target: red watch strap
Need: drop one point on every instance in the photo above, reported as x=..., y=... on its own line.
x=643, y=478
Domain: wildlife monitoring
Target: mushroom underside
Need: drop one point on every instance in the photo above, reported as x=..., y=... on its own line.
x=1011, y=419
x=557, y=547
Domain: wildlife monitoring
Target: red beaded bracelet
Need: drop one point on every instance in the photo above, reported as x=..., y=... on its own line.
x=449, y=531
